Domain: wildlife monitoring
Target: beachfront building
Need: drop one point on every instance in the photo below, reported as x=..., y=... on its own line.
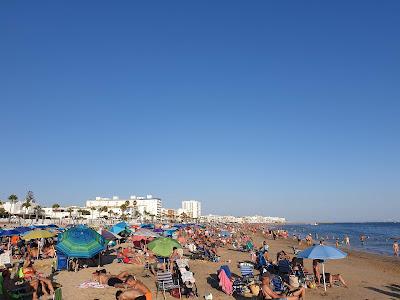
x=192, y=208
x=246, y=219
x=17, y=208
x=148, y=207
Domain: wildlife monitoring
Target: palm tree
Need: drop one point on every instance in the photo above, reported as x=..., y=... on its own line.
x=55, y=207
x=70, y=210
x=123, y=208
x=92, y=209
x=29, y=199
x=146, y=216
x=13, y=199
x=38, y=210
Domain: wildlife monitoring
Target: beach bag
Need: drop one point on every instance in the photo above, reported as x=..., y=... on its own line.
x=255, y=289
x=294, y=281
x=312, y=285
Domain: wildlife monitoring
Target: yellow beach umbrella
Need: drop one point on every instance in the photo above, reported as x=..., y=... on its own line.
x=37, y=234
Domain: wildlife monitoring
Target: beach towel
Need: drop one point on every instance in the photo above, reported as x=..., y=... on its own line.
x=227, y=271
x=182, y=263
x=225, y=283
x=187, y=276
x=91, y=284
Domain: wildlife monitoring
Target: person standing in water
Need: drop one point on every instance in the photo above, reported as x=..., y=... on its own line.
x=362, y=239
x=347, y=240
x=395, y=248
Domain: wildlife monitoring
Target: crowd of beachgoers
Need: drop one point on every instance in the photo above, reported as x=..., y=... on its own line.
x=164, y=254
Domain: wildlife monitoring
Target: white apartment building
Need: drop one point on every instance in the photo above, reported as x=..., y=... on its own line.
x=148, y=205
x=246, y=219
x=192, y=208
x=18, y=209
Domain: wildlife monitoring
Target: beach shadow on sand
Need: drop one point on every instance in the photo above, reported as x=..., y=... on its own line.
x=392, y=290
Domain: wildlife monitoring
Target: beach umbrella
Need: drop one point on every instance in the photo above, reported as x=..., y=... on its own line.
x=80, y=242
x=37, y=234
x=22, y=229
x=322, y=252
x=9, y=232
x=119, y=227
x=163, y=246
x=109, y=235
x=146, y=233
x=151, y=226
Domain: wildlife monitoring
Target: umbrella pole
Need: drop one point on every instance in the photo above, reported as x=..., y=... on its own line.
x=323, y=276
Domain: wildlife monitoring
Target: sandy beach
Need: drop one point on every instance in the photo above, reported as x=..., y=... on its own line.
x=369, y=276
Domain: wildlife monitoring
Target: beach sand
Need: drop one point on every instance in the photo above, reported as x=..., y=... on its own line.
x=369, y=276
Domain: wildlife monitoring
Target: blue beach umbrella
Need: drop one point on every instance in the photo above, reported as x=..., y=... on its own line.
x=322, y=252
x=80, y=242
x=119, y=227
x=22, y=229
x=9, y=232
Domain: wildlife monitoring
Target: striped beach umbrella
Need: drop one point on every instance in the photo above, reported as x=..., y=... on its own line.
x=80, y=242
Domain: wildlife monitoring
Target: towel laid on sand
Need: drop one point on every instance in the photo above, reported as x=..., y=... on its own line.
x=225, y=283
x=91, y=284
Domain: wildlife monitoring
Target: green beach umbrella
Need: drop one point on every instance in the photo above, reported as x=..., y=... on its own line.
x=80, y=242
x=163, y=246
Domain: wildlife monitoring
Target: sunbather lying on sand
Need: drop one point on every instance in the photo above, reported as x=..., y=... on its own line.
x=34, y=279
x=132, y=283
x=131, y=294
x=102, y=277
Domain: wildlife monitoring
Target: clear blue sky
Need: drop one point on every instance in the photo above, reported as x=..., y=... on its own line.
x=287, y=108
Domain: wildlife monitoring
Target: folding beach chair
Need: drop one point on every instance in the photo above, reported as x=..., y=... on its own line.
x=166, y=283
x=277, y=285
x=62, y=262
x=247, y=272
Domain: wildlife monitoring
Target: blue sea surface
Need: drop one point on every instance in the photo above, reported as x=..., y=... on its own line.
x=379, y=236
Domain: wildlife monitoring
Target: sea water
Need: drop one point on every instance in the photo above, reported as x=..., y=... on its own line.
x=379, y=236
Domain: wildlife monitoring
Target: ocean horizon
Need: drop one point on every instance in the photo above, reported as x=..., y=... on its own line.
x=379, y=236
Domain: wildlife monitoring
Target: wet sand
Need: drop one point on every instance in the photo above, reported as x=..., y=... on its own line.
x=369, y=276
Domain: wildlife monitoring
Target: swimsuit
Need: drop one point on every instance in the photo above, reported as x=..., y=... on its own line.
x=112, y=281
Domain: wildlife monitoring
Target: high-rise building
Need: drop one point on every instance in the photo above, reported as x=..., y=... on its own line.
x=192, y=208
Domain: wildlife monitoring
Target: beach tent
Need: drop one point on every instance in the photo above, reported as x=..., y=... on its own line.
x=169, y=231
x=322, y=252
x=163, y=246
x=119, y=227
x=80, y=242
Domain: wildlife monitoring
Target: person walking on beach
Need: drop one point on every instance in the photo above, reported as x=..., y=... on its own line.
x=396, y=248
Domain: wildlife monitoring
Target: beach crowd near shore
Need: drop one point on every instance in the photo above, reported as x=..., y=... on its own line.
x=211, y=261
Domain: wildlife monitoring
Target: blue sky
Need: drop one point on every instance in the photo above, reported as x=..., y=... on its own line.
x=276, y=108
